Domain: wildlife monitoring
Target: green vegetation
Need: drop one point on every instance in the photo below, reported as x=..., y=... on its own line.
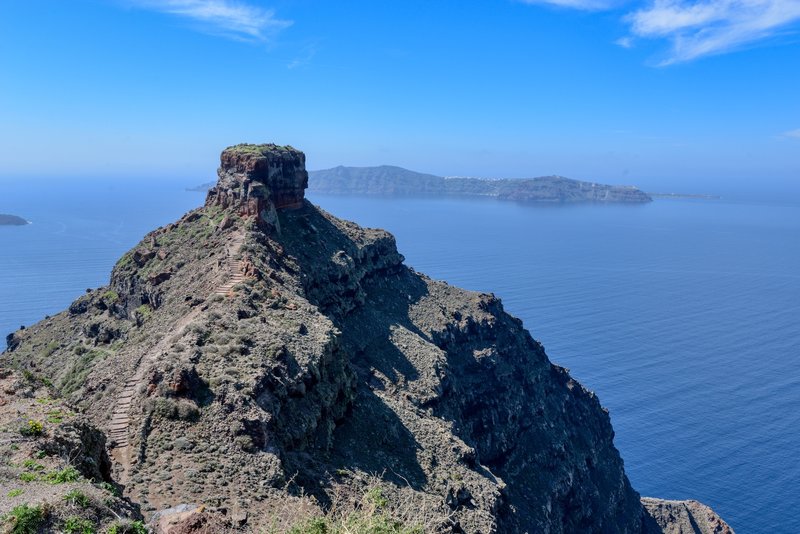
x=24, y=519
x=59, y=476
x=50, y=349
x=32, y=429
x=62, y=476
x=375, y=498
x=110, y=297
x=355, y=523
x=370, y=516
x=125, y=261
x=34, y=379
x=77, y=525
x=258, y=150
x=55, y=416
x=77, y=498
x=76, y=376
x=32, y=465
x=15, y=492
x=109, y=488
x=143, y=313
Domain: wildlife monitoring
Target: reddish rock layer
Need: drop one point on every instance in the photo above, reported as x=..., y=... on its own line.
x=256, y=179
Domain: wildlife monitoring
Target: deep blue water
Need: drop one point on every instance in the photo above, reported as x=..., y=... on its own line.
x=683, y=316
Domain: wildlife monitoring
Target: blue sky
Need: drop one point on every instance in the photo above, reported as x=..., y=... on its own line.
x=659, y=93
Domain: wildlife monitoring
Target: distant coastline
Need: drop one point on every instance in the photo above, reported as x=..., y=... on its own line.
x=396, y=181
x=12, y=220
x=202, y=188
x=684, y=195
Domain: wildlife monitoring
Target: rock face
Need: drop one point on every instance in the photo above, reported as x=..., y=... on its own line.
x=389, y=180
x=254, y=177
x=267, y=361
x=682, y=517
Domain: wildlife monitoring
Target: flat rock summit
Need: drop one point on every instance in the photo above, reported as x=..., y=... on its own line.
x=263, y=366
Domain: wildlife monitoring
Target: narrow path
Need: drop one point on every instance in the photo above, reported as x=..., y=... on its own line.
x=119, y=429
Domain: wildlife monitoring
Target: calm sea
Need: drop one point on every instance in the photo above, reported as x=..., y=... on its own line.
x=683, y=316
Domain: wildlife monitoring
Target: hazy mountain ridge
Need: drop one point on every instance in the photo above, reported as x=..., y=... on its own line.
x=260, y=349
x=391, y=180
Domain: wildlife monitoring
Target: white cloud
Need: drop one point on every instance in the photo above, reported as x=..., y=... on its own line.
x=585, y=5
x=701, y=28
x=792, y=133
x=697, y=29
x=230, y=18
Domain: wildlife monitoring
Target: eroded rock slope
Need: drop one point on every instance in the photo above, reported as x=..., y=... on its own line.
x=262, y=358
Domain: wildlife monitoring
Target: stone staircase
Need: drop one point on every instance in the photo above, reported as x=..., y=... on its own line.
x=118, y=431
x=237, y=268
x=119, y=428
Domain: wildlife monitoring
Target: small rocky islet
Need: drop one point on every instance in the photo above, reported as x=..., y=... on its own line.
x=263, y=366
x=12, y=220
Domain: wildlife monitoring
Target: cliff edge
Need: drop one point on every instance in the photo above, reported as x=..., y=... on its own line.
x=263, y=365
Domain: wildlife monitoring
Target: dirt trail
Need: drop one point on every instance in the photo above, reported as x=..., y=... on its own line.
x=119, y=428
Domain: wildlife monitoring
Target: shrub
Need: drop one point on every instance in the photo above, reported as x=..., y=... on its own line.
x=32, y=465
x=33, y=428
x=24, y=519
x=77, y=498
x=68, y=474
x=111, y=488
x=28, y=477
x=77, y=525
x=371, y=513
x=55, y=417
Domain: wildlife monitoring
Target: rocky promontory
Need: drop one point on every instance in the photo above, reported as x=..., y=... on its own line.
x=261, y=365
x=11, y=220
x=389, y=180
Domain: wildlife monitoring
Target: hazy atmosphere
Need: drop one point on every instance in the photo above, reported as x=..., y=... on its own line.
x=399, y=267
x=701, y=97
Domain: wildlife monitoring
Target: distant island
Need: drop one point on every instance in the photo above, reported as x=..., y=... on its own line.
x=12, y=220
x=390, y=180
x=202, y=188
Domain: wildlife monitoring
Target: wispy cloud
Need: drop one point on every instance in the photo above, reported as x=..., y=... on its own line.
x=304, y=58
x=584, y=5
x=792, y=133
x=230, y=18
x=697, y=29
